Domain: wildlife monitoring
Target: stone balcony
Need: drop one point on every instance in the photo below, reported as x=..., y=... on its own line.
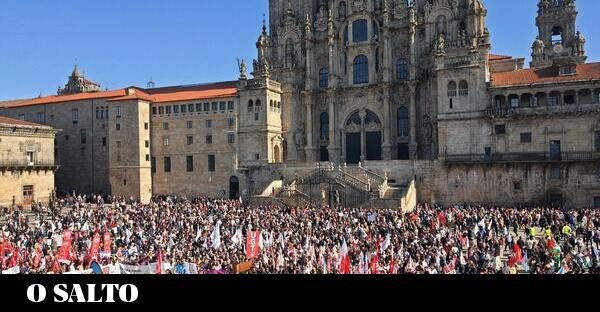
x=522, y=112
x=23, y=164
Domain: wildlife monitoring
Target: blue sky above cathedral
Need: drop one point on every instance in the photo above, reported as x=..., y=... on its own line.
x=121, y=43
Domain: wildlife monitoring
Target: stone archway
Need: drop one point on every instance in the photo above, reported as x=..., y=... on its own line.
x=234, y=187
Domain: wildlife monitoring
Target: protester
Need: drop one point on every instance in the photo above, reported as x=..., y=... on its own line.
x=214, y=236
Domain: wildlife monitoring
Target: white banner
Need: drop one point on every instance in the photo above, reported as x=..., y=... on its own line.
x=13, y=270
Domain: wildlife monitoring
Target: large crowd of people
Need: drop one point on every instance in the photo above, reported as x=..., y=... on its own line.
x=214, y=236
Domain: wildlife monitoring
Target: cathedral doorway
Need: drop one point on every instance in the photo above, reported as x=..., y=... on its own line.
x=363, y=134
x=234, y=188
x=276, y=154
x=403, y=151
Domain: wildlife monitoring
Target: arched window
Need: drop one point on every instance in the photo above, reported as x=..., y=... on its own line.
x=377, y=5
x=346, y=35
x=360, y=31
x=402, y=69
x=403, y=123
x=290, y=53
x=324, y=126
x=440, y=25
x=463, y=88
x=257, y=106
x=323, y=78
x=452, y=89
x=372, y=118
x=557, y=35
x=342, y=10
x=361, y=69
x=279, y=107
x=271, y=106
x=250, y=106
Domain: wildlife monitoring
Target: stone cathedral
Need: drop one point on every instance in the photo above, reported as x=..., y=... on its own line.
x=363, y=103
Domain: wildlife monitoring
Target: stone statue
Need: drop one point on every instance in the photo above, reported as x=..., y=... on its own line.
x=243, y=68
x=299, y=138
x=427, y=129
x=440, y=48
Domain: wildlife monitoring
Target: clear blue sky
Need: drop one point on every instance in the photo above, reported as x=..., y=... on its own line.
x=120, y=43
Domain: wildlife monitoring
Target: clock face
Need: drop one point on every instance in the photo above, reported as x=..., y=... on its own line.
x=558, y=48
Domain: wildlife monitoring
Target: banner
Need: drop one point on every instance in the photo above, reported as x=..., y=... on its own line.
x=107, y=245
x=64, y=254
x=12, y=271
x=252, y=245
x=95, y=248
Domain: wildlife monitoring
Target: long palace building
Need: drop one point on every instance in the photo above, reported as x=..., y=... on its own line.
x=397, y=101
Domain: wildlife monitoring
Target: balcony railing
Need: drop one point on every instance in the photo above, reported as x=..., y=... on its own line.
x=523, y=157
x=541, y=110
x=24, y=163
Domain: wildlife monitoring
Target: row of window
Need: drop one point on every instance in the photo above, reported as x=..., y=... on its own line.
x=460, y=89
x=208, y=124
x=189, y=164
x=191, y=108
x=208, y=141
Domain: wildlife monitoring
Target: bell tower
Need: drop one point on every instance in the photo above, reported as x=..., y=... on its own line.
x=558, y=38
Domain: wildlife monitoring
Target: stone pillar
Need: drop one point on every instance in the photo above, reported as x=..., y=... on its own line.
x=387, y=124
x=333, y=148
x=413, y=146
x=363, y=136
x=310, y=147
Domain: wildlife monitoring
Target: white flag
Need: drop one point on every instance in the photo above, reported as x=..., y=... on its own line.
x=215, y=236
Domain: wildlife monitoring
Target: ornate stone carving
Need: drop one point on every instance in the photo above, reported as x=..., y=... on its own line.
x=359, y=5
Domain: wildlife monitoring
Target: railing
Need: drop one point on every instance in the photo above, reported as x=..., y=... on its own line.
x=523, y=157
x=541, y=110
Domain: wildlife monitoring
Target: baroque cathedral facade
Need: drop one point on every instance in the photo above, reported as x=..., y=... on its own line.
x=358, y=102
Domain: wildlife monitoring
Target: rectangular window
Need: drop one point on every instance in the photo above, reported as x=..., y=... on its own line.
x=154, y=110
x=597, y=202
x=161, y=110
x=517, y=186
x=230, y=105
x=514, y=103
x=74, y=115
x=40, y=117
x=222, y=106
x=500, y=129
x=99, y=113
x=206, y=107
x=66, y=138
x=165, y=126
x=83, y=136
x=257, y=156
x=125, y=182
x=103, y=141
x=166, y=141
x=190, y=124
x=190, y=140
x=231, y=138
x=553, y=100
x=167, y=164
x=118, y=143
x=191, y=108
x=209, y=139
x=183, y=109
x=147, y=157
x=555, y=173
x=168, y=110
x=230, y=122
x=176, y=109
x=597, y=141
x=146, y=126
x=118, y=127
x=209, y=124
x=189, y=163
x=214, y=106
x=147, y=144
x=153, y=164
x=198, y=107
x=526, y=137
x=118, y=110
x=211, y=163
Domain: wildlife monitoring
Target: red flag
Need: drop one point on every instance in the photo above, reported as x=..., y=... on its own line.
x=392, y=269
x=56, y=267
x=37, y=256
x=95, y=248
x=345, y=265
x=252, y=245
x=374, y=266
x=159, y=262
x=64, y=254
x=107, y=244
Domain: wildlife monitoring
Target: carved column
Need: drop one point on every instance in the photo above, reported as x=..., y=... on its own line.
x=387, y=124
x=333, y=148
x=413, y=146
x=363, y=136
x=310, y=147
